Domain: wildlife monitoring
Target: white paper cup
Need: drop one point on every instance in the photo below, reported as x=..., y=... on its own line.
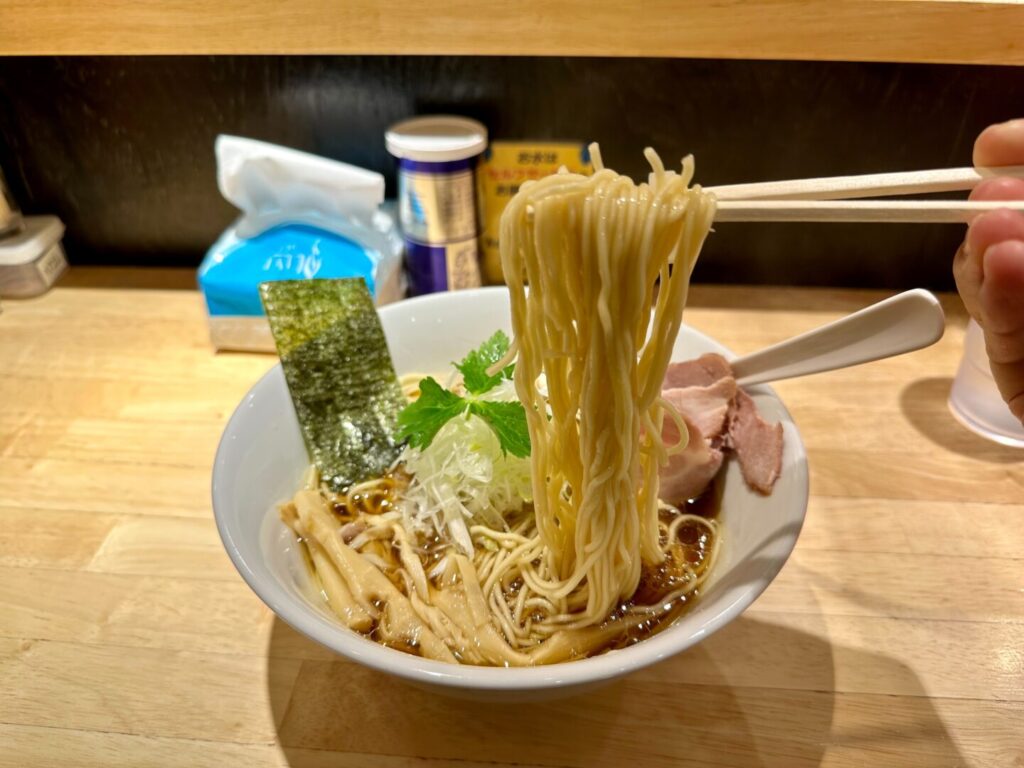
x=974, y=398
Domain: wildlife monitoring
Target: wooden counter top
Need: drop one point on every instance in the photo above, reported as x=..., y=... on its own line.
x=893, y=637
x=955, y=31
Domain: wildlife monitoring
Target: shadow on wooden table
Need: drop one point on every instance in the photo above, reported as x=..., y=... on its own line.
x=755, y=694
x=924, y=403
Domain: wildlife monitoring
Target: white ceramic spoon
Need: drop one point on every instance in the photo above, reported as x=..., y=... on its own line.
x=901, y=323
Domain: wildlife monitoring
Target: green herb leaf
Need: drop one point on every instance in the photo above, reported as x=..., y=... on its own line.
x=474, y=365
x=420, y=421
x=339, y=373
x=508, y=420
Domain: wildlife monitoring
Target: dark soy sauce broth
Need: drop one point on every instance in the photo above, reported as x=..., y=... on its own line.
x=694, y=543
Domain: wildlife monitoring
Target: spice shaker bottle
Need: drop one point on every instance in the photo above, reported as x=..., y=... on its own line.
x=437, y=199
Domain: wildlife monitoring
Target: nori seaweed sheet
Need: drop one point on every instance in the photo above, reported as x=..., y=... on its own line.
x=339, y=372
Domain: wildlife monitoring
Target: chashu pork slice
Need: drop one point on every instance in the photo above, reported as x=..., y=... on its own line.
x=721, y=418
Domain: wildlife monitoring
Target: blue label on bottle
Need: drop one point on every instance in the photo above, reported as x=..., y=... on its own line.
x=428, y=267
x=446, y=166
x=448, y=267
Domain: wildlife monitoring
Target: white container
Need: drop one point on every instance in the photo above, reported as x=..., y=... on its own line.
x=31, y=260
x=437, y=199
x=974, y=398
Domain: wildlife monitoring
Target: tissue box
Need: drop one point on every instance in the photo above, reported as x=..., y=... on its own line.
x=230, y=275
x=303, y=217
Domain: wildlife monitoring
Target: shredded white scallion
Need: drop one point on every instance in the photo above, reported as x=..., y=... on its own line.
x=463, y=478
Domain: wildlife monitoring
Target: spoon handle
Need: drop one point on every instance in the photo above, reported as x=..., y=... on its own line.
x=899, y=324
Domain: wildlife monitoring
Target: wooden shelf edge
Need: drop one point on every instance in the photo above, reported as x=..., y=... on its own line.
x=925, y=31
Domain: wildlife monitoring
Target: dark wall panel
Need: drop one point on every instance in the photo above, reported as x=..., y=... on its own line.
x=122, y=148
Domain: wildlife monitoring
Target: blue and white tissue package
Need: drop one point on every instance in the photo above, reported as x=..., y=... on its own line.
x=303, y=217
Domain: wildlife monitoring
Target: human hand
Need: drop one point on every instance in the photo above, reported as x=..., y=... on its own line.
x=989, y=267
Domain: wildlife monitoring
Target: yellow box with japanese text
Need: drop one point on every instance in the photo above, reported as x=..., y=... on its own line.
x=502, y=169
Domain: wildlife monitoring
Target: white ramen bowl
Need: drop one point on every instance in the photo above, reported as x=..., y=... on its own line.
x=261, y=459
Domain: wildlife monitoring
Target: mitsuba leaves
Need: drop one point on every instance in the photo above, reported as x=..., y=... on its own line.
x=474, y=366
x=420, y=421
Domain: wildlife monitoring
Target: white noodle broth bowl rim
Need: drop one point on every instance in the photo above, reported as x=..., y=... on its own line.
x=315, y=622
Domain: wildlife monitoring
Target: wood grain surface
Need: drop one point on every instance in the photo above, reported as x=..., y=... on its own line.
x=965, y=31
x=893, y=637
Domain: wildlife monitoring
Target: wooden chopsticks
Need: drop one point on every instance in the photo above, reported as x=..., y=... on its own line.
x=893, y=211
x=870, y=185
x=828, y=199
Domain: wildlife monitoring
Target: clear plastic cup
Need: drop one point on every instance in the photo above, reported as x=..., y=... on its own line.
x=975, y=400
